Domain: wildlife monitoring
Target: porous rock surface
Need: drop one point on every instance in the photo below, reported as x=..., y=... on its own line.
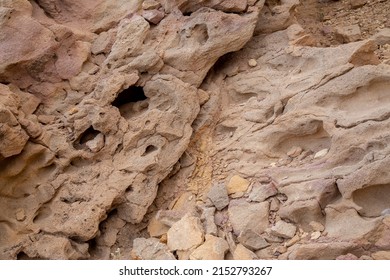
x=118, y=118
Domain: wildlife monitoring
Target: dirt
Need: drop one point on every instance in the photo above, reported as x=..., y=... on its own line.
x=320, y=19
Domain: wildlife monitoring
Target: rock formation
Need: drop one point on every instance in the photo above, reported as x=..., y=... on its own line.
x=208, y=129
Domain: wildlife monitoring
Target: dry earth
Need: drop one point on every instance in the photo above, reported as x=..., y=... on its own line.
x=207, y=129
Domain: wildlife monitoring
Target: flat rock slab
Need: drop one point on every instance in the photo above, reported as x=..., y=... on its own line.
x=186, y=234
x=244, y=215
x=283, y=229
x=219, y=196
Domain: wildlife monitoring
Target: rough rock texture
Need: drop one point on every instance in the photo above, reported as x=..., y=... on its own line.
x=126, y=121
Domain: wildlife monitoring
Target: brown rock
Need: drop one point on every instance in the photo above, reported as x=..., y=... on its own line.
x=242, y=253
x=252, y=240
x=237, y=184
x=381, y=255
x=150, y=249
x=261, y=192
x=355, y=4
x=244, y=216
x=283, y=229
x=186, y=234
x=214, y=248
x=347, y=34
x=153, y=16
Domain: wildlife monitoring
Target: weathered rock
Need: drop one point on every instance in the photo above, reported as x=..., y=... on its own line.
x=347, y=34
x=252, y=240
x=381, y=255
x=244, y=216
x=348, y=256
x=208, y=220
x=283, y=229
x=302, y=213
x=261, y=192
x=156, y=228
x=355, y=4
x=219, y=196
x=214, y=248
x=242, y=253
x=150, y=249
x=153, y=16
x=237, y=184
x=186, y=234
x=323, y=251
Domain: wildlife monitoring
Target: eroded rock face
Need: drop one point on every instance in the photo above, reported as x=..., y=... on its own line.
x=220, y=103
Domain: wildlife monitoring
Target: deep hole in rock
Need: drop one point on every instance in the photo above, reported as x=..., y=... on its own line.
x=130, y=95
x=86, y=136
x=130, y=101
x=22, y=256
x=149, y=149
x=374, y=200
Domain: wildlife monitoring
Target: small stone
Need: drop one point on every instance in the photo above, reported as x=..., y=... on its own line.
x=283, y=229
x=150, y=5
x=347, y=34
x=20, y=215
x=316, y=226
x=280, y=250
x=214, y=248
x=355, y=4
x=96, y=144
x=103, y=43
x=294, y=152
x=219, y=196
x=381, y=255
x=242, y=253
x=153, y=16
x=150, y=249
x=315, y=235
x=261, y=192
x=292, y=241
x=186, y=234
x=321, y=153
x=252, y=240
x=237, y=184
x=252, y=62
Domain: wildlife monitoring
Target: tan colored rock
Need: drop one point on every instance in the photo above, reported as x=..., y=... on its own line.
x=242, y=253
x=186, y=234
x=302, y=213
x=261, y=192
x=347, y=34
x=153, y=16
x=150, y=249
x=322, y=251
x=316, y=226
x=283, y=229
x=252, y=240
x=237, y=184
x=381, y=255
x=244, y=216
x=150, y=4
x=20, y=214
x=214, y=248
x=355, y=4
x=157, y=228
x=252, y=62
